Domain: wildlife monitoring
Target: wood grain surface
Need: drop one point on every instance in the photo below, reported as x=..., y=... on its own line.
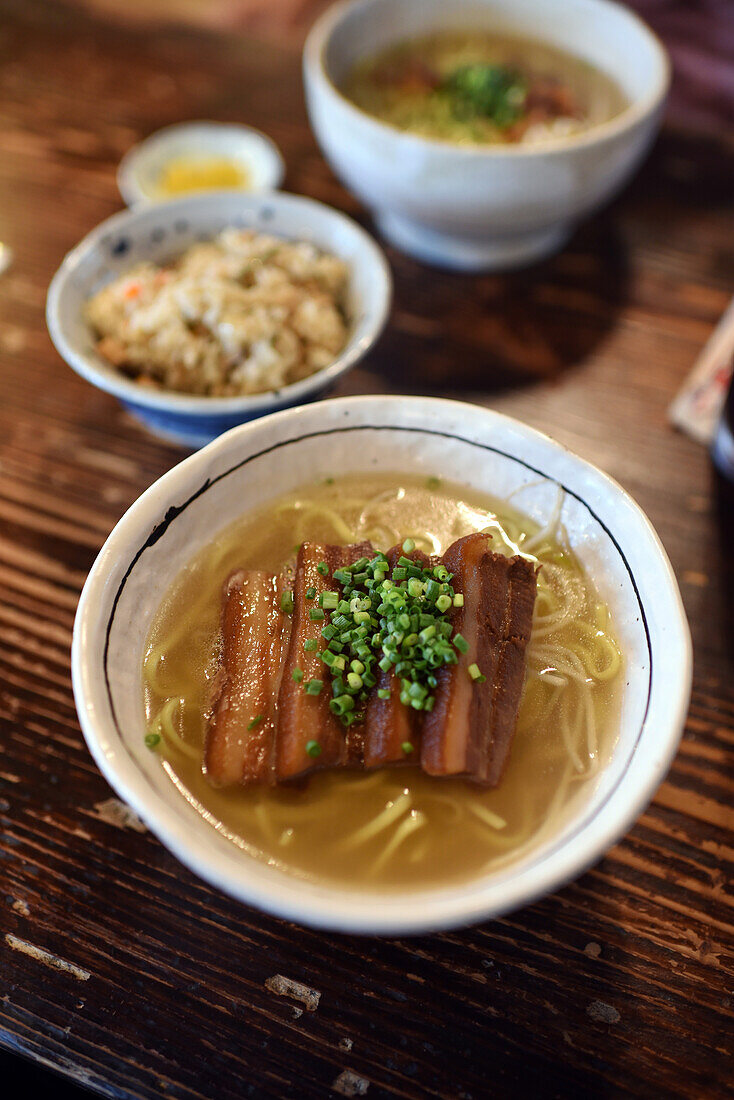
x=117, y=966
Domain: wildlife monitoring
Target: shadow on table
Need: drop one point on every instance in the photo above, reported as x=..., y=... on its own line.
x=723, y=509
x=22, y=1077
x=489, y=332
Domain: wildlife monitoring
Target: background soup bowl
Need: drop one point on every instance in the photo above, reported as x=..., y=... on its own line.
x=183, y=511
x=160, y=232
x=483, y=207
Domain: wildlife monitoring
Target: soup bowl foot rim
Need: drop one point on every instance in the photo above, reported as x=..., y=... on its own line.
x=492, y=253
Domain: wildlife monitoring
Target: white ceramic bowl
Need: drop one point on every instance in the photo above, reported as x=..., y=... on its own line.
x=141, y=167
x=185, y=509
x=162, y=231
x=490, y=207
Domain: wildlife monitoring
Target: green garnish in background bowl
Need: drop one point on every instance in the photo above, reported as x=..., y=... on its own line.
x=495, y=92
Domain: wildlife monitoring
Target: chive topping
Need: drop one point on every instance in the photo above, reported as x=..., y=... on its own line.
x=476, y=674
x=406, y=747
x=310, y=593
x=152, y=740
x=386, y=619
x=323, y=569
x=255, y=721
x=297, y=675
x=286, y=602
x=310, y=645
x=313, y=687
x=313, y=748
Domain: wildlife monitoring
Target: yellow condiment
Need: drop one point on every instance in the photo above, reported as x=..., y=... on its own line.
x=200, y=173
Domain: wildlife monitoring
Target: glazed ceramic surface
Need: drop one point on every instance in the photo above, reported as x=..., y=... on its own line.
x=140, y=169
x=184, y=510
x=491, y=207
x=162, y=231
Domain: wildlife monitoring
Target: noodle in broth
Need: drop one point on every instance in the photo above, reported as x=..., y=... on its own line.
x=395, y=827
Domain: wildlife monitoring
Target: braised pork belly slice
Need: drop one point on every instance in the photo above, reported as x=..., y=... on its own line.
x=309, y=736
x=268, y=727
x=388, y=724
x=240, y=738
x=469, y=731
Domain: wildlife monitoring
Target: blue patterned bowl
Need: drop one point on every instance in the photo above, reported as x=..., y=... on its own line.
x=163, y=231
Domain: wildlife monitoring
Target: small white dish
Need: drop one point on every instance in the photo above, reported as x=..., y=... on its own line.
x=139, y=172
x=162, y=231
x=185, y=509
x=490, y=207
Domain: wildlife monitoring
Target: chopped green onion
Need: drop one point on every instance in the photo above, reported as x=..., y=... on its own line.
x=153, y=739
x=310, y=645
x=387, y=620
x=310, y=593
x=476, y=673
x=341, y=704
x=286, y=602
x=458, y=600
x=406, y=747
x=323, y=569
x=433, y=590
x=313, y=749
x=316, y=614
x=255, y=721
x=313, y=687
x=297, y=675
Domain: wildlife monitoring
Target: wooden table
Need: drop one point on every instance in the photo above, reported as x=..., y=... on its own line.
x=118, y=967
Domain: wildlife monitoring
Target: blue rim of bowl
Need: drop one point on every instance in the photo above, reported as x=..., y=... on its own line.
x=182, y=404
x=126, y=175
x=314, y=64
x=449, y=912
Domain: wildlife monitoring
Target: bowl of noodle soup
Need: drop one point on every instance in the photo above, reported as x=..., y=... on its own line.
x=393, y=850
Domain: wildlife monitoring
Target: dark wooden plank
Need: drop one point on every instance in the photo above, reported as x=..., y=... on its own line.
x=122, y=970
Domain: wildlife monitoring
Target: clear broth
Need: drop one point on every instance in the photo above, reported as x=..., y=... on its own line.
x=426, y=112
x=399, y=827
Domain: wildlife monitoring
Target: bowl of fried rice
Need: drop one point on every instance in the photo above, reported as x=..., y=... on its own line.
x=204, y=312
